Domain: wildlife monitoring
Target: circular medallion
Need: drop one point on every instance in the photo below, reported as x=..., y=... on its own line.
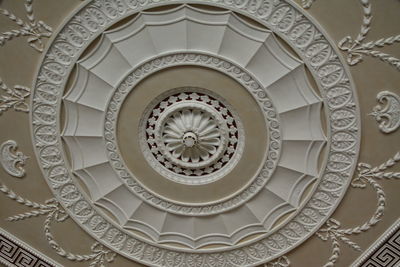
x=192, y=134
x=195, y=141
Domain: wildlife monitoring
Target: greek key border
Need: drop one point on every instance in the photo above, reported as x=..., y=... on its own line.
x=20, y=252
x=375, y=250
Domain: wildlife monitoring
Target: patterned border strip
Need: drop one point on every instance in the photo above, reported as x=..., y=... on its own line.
x=385, y=250
x=14, y=252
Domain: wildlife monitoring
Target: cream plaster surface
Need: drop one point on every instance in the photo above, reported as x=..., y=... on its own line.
x=247, y=108
x=18, y=65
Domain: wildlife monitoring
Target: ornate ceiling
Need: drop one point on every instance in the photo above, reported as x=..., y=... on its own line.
x=199, y=133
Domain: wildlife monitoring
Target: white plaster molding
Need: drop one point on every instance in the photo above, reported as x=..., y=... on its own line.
x=218, y=129
x=382, y=251
x=15, y=252
x=12, y=161
x=53, y=212
x=388, y=116
x=13, y=98
x=357, y=48
x=367, y=175
x=34, y=29
x=283, y=19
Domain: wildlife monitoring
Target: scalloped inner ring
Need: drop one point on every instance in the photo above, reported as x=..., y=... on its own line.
x=190, y=115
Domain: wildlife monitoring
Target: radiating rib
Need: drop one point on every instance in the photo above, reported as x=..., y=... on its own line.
x=268, y=206
x=241, y=41
x=120, y=202
x=86, y=151
x=271, y=62
x=134, y=42
x=148, y=215
x=89, y=89
x=81, y=120
x=292, y=91
x=99, y=179
x=301, y=156
x=246, y=218
x=188, y=28
x=303, y=123
x=178, y=225
x=289, y=184
x=107, y=62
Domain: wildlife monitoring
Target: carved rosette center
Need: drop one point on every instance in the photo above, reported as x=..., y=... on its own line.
x=192, y=134
x=190, y=140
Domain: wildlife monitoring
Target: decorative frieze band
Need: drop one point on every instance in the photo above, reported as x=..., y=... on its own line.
x=14, y=252
x=384, y=252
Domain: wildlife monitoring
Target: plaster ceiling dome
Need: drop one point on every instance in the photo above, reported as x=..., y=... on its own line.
x=208, y=134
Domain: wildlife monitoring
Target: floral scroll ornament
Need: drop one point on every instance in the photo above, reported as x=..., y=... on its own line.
x=12, y=161
x=33, y=29
x=388, y=117
x=54, y=212
x=356, y=49
x=367, y=175
x=13, y=98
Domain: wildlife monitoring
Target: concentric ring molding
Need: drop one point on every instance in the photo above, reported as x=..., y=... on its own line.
x=231, y=70
x=282, y=18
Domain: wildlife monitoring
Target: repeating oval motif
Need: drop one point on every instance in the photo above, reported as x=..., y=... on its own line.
x=62, y=52
x=257, y=251
x=309, y=217
x=97, y=224
x=302, y=34
x=76, y=34
x=342, y=141
x=82, y=208
x=237, y=258
x=45, y=114
x=69, y=193
x=217, y=260
x=94, y=19
x=47, y=134
x=283, y=20
x=47, y=93
x=342, y=119
x=339, y=162
x=321, y=200
x=330, y=74
x=58, y=175
x=318, y=53
x=114, y=8
x=133, y=246
x=54, y=72
x=173, y=259
x=332, y=182
x=264, y=10
x=338, y=96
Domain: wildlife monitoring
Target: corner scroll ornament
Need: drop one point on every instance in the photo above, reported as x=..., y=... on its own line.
x=388, y=117
x=12, y=162
x=367, y=175
x=33, y=29
x=54, y=212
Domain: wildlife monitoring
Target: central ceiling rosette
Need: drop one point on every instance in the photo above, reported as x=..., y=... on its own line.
x=193, y=135
x=195, y=131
